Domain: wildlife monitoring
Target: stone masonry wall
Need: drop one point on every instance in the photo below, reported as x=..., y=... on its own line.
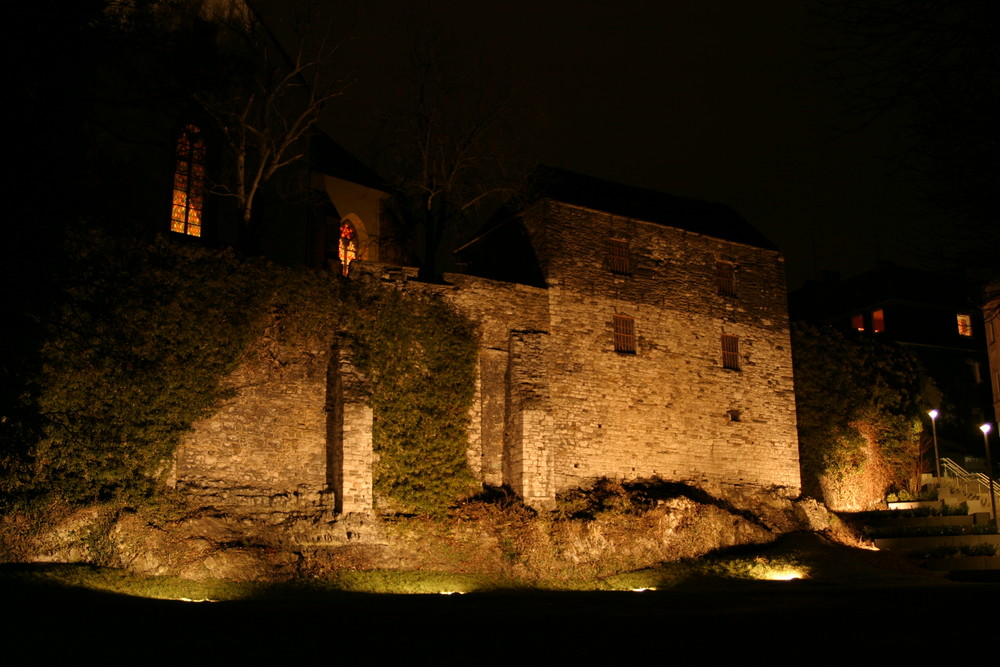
x=556, y=405
x=349, y=434
x=267, y=445
x=497, y=308
x=528, y=456
x=667, y=409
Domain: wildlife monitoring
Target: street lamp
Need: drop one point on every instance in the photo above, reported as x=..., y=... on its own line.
x=937, y=458
x=985, y=428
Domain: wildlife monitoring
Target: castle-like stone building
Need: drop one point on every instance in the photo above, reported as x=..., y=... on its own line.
x=623, y=333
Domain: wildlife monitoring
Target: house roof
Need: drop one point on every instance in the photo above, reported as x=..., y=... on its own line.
x=330, y=158
x=824, y=301
x=694, y=215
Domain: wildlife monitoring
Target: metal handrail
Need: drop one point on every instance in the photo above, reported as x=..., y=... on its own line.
x=976, y=477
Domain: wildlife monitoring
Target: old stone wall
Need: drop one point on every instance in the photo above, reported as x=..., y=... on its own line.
x=498, y=309
x=349, y=437
x=670, y=409
x=267, y=445
x=560, y=400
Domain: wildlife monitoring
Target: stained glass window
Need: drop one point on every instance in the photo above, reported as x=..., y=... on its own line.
x=348, y=248
x=189, y=183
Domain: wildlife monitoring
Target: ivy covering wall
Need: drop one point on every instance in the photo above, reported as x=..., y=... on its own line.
x=138, y=336
x=419, y=356
x=858, y=416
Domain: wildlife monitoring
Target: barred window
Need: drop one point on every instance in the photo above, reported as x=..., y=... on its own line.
x=189, y=183
x=730, y=352
x=618, y=259
x=624, y=332
x=725, y=273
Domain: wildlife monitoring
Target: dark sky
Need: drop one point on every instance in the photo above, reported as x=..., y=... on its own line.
x=714, y=99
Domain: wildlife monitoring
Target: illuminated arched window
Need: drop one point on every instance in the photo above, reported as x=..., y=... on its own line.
x=189, y=182
x=348, y=249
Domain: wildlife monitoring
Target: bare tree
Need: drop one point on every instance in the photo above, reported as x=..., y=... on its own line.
x=449, y=146
x=934, y=69
x=269, y=93
x=262, y=79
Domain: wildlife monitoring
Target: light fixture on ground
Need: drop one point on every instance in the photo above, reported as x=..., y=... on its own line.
x=937, y=457
x=985, y=428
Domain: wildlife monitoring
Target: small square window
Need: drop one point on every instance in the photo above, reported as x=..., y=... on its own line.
x=730, y=352
x=964, y=325
x=618, y=257
x=725, y=273
x=624, y=332
x=858, y=322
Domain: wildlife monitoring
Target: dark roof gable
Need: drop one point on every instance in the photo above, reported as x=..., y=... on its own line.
x=330, y=158
x=702, y=217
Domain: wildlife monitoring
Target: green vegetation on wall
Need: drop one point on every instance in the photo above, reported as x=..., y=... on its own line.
x=139, y=337
x=132, y=350
x=858, y=416
x=419, y=356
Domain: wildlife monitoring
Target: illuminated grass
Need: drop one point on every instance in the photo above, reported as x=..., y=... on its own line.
x=405, y=582
x=805, y=557
x=106, y=580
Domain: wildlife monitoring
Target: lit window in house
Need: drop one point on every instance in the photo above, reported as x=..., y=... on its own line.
x=189, y=183
x=730, y=352
x=878, y=321
x=348, y=249
x=858, y=322
x=964, y=325
x=726, y=278
x=618, y=257
x=624, y=330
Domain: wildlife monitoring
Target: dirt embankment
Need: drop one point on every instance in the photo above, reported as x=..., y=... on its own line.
x=608, y=529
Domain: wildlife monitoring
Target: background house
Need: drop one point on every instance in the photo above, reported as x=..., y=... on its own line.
x=937, y=318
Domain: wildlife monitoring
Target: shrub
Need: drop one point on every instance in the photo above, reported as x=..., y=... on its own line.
x=982, y=549
x=857, y=412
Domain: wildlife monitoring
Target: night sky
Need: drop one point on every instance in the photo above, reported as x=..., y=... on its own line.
x=714, y=99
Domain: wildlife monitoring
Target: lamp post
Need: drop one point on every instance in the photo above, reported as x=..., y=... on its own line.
x=985, y=428
x=937, y=458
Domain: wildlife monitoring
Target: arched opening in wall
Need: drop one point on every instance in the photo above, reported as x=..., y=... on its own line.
x=189, y=182
x=347, y=248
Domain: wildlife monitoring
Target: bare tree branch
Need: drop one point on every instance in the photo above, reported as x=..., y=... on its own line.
x=934, y=68
x=449, y=147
